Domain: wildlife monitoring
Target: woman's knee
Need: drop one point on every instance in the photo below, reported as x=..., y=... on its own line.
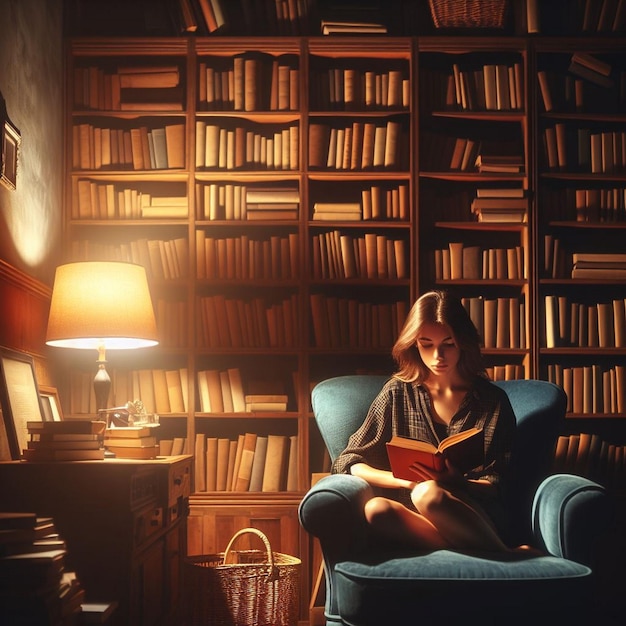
x=428, y=496
x=378, y=510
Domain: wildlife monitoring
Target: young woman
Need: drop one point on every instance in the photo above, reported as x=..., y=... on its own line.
x=440, y=388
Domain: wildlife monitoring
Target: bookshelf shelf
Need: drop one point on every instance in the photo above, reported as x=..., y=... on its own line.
x=472, y=177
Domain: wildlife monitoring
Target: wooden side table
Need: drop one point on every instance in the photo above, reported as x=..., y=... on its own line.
x=124, y=523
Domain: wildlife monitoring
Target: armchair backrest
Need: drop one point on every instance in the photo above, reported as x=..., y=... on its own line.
x=340, y=405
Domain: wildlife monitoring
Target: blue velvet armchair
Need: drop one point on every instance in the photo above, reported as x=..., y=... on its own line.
x=369, y=585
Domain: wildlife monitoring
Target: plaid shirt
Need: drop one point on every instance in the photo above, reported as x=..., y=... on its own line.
x=406, y=409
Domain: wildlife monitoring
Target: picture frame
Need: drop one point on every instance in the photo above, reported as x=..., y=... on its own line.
x=50, y=404
x=20, y=401
x=11, y=140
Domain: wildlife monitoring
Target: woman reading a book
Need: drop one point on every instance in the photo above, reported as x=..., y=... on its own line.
x=440, y=388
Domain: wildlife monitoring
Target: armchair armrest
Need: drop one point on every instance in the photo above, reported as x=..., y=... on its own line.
x=332, y=511
x=569, y=513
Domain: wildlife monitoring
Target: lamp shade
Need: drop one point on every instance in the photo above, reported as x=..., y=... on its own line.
x=99, y=304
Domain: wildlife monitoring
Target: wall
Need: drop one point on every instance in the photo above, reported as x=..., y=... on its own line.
x=31, y=85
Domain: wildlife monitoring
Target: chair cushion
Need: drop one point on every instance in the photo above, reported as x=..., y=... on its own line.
x=386, y=591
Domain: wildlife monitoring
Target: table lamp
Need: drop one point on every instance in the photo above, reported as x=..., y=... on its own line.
x=100, y=305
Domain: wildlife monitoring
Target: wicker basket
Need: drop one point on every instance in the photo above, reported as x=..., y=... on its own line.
x=243, y=588
x=468, y=13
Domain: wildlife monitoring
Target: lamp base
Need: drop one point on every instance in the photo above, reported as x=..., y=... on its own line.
x=102, y=387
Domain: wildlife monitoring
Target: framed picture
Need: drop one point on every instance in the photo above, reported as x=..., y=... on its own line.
x=10, y=149
x=50, y=404
x=19, y=398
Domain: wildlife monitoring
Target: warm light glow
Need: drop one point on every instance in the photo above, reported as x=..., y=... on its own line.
x=97, y=304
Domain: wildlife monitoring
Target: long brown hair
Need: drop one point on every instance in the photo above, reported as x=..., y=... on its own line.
x=437, y=307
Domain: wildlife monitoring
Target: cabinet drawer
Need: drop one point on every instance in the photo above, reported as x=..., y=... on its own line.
x=146, y=523
x=179, y=482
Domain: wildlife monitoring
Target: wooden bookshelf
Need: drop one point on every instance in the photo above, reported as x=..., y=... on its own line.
x=581, y=204
x=279, y=244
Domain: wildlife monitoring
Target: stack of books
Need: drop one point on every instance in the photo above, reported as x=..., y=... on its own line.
x=276, y=203
x=343, y=19
x=68, y=440
x=500, y=163
x=132, y=442
x=266, y=402
x=599, y=265
x=35, y=587
x=337, y=211
x=591, y=68
x=500, y=205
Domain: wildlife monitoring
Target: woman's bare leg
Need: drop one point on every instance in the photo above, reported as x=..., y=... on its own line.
x=460, y=525
x=395, y=522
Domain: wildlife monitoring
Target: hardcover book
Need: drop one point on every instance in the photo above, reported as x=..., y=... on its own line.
x=464, y=450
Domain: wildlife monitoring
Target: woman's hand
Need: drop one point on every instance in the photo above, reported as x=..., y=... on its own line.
x=381, y=478
x=450, y=476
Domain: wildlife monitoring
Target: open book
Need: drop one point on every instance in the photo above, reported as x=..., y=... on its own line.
x=464, y=450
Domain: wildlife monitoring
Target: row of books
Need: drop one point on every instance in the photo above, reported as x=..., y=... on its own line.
x=229, y=201
x=603, y=16
x=161, y=391
x=600, y=205
x=360, y=146
x=350, y=323
x=592, y=389
x=245, y=258
x=356, y=89
x=466, y=154
x=377, y=203
x=223, y=391
x=558, y=262
x=252, y=323
x=271, y=17
x=385, y=203
x=110, y=200
x=489, y=87
x=507, y=371
x=501, y=322
x=164, y=259
x=37, y=585
x=593, y=457
x=565, y=93
x=599, y=265
x=251, y=146
x=338, y=255
x=174, y=446
x=584, y=325
x=584, y=150
x=200, y=16
x=251, y=462
x=169, y=313
x=140, y=148
x=128, y=88
x=250, y=82
x=459, y=261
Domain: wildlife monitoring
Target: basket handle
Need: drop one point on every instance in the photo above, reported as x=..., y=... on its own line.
x=273, y=571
